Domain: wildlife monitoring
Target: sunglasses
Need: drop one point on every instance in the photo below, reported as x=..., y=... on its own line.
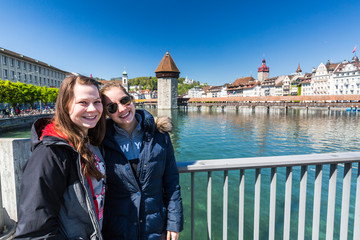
x=113, y=107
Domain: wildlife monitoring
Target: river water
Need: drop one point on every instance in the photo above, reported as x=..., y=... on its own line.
x=201, y=135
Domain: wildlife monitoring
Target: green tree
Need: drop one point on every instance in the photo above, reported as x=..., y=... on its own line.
x=52, y=94
x=13, y=93
x=32, y=93
x=2, y=91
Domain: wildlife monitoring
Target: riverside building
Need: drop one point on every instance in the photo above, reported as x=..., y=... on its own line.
x=346, y=78
x=321, y=79
x=16, y=67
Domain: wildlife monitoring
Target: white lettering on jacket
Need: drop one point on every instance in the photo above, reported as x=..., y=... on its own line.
x=125, y=147
x=138, y=145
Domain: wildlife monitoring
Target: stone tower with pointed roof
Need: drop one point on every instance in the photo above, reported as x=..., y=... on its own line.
x=167, y=74
x=263, y=71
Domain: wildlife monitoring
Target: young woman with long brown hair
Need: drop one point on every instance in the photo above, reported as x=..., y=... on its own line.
x=63, y=184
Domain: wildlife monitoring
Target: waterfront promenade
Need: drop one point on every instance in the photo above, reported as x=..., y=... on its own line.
x=19, y=121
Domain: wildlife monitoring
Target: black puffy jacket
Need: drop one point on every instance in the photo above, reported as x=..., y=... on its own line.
x=55, y=199
x=144, y=210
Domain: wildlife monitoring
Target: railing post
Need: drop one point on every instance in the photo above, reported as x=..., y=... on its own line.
x=345, y=202
x=192, y=206
x=257, y=203
x=272, y=204
x=225, y=204
x=317, y=202
x=302, y=203
x=331, y=202
x=241, y=204
x=287, y=207
x=357, y=207
x=209, y=205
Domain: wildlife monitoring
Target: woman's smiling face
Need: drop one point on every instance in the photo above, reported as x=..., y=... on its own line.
x=124, y=117
x=85, y=108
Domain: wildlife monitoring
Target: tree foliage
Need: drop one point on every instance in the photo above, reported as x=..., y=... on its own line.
x=144, y=83
x=17, y=93
x=150, y=83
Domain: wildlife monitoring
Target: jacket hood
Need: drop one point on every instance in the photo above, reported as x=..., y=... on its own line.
x=41, y=128
x=163, y=124
x=37, y=130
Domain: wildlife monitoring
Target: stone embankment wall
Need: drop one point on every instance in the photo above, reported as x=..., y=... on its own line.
x=13, y=155
x=19, y=122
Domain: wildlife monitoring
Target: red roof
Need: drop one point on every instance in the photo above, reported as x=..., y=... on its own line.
x=241, y=82
x=263, y=67
x=167, y=64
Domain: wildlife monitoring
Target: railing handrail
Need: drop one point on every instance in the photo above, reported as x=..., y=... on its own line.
x=268, y=162
x=288, y=162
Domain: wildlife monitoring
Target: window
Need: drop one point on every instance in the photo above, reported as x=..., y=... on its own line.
x=19, y=76
x=48, y=81
x=4, y=59
x=24, y=65
x=11, y=62
x=35, y=79
x=30, y=78
x=35, y=68
x=18, y=63
x=5, y=74
x=40, y=81
x=47, y=72
x=25, y=78
x=51, y=73
x=30, y=67
x=39, y=70
x=12, y=75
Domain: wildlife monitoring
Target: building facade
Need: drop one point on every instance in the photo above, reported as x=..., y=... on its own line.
x=346, y=78
x=322, y=78
x=19, y=68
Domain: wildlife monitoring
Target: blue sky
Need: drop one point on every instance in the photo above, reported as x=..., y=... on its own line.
x=210, y=41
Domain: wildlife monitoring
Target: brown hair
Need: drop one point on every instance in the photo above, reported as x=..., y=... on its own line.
x=110, y=85
x=72, y=132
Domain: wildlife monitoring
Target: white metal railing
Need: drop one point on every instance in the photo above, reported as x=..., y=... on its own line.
x=259, y=163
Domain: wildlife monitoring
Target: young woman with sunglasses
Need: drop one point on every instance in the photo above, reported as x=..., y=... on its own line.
x=63, y=184
x=143, y=198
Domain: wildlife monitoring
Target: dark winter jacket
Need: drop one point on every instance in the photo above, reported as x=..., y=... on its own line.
x=147, y=208
x=55, y=199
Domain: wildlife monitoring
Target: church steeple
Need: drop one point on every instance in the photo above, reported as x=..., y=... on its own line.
x=298, y=70
x=125, y=80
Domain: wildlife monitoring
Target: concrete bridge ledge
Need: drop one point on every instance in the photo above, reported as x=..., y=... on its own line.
x=14, y=152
